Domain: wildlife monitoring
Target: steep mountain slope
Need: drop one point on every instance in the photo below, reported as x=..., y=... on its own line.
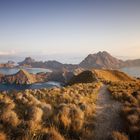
x=101, y=60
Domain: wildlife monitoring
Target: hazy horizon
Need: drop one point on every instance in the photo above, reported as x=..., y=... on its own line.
x=63, y=58
x=64, y=30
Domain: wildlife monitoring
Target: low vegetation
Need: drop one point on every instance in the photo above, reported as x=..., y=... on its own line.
x=118, y=136
x=49, y=114
x=129, y=94
x=108, y=76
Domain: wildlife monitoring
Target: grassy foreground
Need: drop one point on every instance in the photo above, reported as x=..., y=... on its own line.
x=49, y=114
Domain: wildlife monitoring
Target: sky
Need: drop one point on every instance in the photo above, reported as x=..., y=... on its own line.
x=70, y=29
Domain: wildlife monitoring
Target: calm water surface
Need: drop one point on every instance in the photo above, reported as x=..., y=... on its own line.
x=9, y=71
x=132, y=71
x=8, y=87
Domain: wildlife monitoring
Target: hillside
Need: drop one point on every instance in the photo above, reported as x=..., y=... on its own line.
x=21, y=77
x=112, y=75
x=89, y=76
x=52, y=65
x=83, y=77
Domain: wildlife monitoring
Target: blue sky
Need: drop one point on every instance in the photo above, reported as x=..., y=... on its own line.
x=65, y=27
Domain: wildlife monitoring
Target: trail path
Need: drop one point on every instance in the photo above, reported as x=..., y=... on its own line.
x=107, y=117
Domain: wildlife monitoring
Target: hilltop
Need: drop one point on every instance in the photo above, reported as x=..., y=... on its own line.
x=104, y=75
x=101, y=60
x=112, y=75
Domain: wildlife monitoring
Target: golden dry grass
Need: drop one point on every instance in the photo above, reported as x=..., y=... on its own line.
x=128, y=93
x=112, y=75
x=118, y=136
x=49, y=114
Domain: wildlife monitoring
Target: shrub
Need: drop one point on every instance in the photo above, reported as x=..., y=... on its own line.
x=47, y=110
x=119, y=136
x=9, y=117
x=52, y=134
x=3, y=136
x=77, y=117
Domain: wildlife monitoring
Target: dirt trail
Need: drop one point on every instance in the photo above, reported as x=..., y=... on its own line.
x=107, y=115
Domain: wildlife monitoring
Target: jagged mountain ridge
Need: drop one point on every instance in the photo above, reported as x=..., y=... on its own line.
x=101, y=60
x=96, y=60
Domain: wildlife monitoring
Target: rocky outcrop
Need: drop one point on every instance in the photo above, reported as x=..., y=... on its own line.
x=27, y=62
x=83, y=77
x=60, y=76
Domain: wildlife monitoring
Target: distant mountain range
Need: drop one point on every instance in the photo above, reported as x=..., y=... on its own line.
x=52, y=65
x=97, y=60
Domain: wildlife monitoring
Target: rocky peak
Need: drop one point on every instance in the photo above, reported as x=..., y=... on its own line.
x=27, y=61
x=100, y=60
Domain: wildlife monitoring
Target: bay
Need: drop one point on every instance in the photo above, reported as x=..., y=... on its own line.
x=132, y=71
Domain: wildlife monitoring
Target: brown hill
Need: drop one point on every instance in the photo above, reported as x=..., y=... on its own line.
x=83, y=77
x=21, y=77
x=112, y=75
x=100, y=75
x=101, y=60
